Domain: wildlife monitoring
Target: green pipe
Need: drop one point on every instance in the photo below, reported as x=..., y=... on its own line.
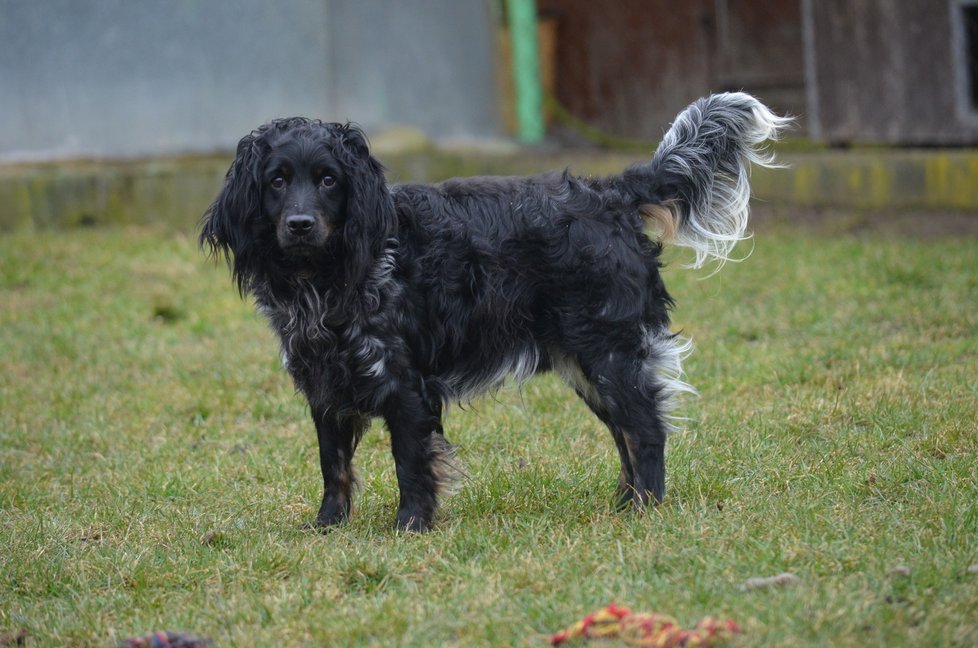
x=526, y=69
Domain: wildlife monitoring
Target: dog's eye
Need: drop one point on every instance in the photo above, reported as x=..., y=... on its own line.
x=278, y=182
x=327, y=181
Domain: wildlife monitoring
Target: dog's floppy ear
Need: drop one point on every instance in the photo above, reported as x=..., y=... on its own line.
x=370, y=217
x=225, y=227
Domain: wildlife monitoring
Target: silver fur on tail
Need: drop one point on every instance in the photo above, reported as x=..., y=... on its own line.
x=701, y=169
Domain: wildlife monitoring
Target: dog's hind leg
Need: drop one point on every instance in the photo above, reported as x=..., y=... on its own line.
x=570, y=370
x=338, y=439
x=634, y=416
x=640, y=393
x=633, y=392
x=626, y=477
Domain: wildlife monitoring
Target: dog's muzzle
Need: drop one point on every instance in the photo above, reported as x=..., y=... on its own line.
x=303, y=234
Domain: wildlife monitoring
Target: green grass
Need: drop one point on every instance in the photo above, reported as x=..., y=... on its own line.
x=155, y=464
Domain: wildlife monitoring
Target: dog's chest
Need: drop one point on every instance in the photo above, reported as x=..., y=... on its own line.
x=326, y=348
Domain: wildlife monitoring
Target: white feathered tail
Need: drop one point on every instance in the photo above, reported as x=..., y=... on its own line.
x=696, y=186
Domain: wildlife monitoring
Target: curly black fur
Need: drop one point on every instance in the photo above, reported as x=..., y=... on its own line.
x=391, y=301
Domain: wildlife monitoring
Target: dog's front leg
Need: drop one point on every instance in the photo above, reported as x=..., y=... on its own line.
x=338, y=438
x=419, y=449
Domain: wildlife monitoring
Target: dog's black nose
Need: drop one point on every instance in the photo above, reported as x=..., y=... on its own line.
x=300, y=224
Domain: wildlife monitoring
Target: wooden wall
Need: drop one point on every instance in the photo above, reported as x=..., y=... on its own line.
x=890, y=72
x=629, y=66
x=853, y=71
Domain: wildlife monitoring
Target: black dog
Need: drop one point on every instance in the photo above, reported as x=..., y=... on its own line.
x=394, y=300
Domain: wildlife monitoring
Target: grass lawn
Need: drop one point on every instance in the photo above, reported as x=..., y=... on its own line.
x=155, y=464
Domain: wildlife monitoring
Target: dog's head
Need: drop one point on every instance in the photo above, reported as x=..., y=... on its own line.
x=301, y=193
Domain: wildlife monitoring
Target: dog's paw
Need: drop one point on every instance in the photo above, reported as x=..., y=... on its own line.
x=316, y=526
x=412, y=522
x=622, y=498
x=323, y=523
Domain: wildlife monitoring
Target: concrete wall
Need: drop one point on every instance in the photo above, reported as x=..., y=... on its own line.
x=426, y=63
x=176, y=192
x=126, y=78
